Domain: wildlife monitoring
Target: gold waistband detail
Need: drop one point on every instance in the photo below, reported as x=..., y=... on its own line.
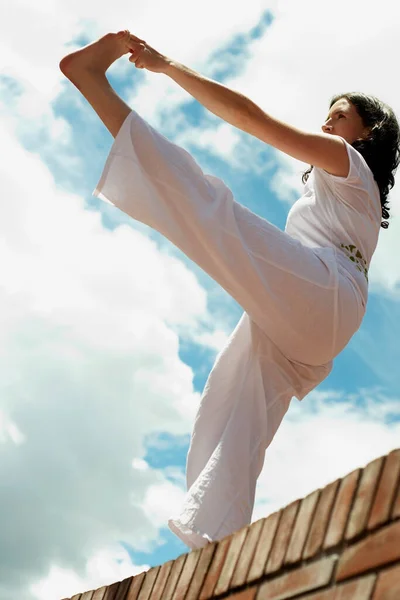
x=353, y=253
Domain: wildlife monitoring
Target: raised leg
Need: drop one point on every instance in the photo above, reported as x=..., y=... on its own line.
x=86, y=69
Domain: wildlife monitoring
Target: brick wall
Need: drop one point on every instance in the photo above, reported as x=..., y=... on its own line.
x=339, y=543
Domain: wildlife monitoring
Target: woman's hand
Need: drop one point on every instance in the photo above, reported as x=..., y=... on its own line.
x=146, y=57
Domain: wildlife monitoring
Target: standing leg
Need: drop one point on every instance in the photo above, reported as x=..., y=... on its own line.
x=245, y=399
x=86, y=69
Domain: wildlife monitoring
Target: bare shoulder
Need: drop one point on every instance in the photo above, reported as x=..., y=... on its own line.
x=321, y=150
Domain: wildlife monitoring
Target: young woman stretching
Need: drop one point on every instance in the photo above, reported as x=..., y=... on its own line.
x=303, y=290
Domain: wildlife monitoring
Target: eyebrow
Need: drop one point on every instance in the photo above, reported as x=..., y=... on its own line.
x=337, y=110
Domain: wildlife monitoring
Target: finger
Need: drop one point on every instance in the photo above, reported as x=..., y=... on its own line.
x=136, y=54
x=136, y=39
x=135, y=47
x=135, y=59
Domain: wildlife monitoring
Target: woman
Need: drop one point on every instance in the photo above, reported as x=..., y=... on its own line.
x=303, y=291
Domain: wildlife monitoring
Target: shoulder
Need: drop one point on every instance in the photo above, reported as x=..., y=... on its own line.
x=357, y=188
x=358, y=169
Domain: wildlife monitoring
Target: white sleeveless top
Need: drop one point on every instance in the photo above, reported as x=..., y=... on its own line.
x=343, y=213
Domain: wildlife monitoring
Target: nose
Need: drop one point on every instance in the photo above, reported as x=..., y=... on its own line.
x=326, y=128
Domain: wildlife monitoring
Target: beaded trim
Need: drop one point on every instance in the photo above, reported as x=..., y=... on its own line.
x=353, y=253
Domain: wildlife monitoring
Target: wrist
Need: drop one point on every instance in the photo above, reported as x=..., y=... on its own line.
x=169, y=66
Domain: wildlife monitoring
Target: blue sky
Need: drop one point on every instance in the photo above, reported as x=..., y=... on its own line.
x=109, y=332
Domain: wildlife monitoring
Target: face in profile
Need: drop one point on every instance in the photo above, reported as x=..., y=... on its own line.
x=344, y=120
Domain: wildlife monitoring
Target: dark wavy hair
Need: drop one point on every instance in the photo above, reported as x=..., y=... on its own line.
x=381, y=148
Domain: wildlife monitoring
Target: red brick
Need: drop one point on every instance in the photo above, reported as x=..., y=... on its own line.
x=263, y=547
x=248, y=594
x=341, y=510
x=135, y=586
x=231, y=559
x=301, y=528
x=186, y=575
x=215, y=568
x=380, y=513
x=111, y=591
x=282, y=537
x=99, y=593
x=147, y=587
x=321, y=520
x=161, y=580
x=379, y=548
x=357, y=589
x=388, y=584
x=174, y=575
x=246, y=556
x=122, y=589
x=364, y=498
x=304, y=579
x=396, y=507
x=206, y=556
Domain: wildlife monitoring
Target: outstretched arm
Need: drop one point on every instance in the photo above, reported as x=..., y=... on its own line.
x=229, y=105
x=319, y=149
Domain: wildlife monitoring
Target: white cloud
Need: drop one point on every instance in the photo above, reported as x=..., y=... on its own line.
x=323, y=438
x=384, y=273
x=9, y=431
x=286, y=182
x=83, y=344
x=216, y=339
x=89, y=367
x=161, y=501
x=104, y=568
x=220, y=141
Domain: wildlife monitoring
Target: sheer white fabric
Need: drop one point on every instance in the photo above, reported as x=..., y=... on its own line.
x=300, y=310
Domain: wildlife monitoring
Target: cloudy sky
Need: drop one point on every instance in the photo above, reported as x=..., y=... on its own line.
x=108, y=332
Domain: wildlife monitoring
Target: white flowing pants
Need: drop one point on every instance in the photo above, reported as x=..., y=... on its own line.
x=300, y=311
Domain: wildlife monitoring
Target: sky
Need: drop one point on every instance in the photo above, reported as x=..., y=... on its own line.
x=108, y=332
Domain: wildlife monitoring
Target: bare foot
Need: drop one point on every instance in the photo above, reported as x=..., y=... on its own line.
x=96, y=57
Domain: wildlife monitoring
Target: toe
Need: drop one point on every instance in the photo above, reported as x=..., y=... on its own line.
x=127, y=35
